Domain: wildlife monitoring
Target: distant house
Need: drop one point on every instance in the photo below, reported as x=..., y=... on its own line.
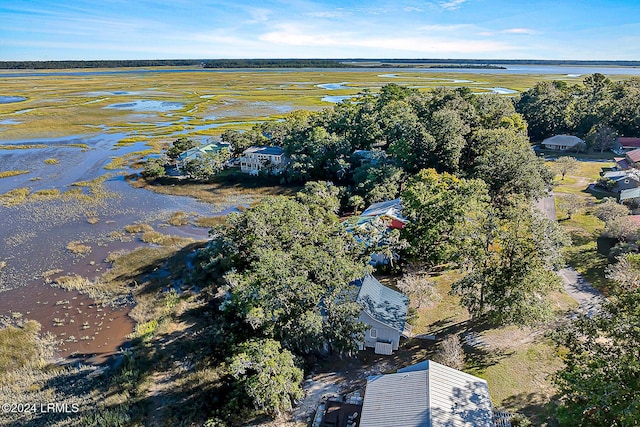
x=629, y=143
x=385, y=312
x=389, y=211
x=268, y=159
x=562, y=142
x=429, y=394
x=197, y=152
x=374, y=225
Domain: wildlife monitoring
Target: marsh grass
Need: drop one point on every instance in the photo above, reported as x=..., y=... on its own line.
x=7, y=174
x=51, y=161
x=78, y=248
x=15, y=197
x=138, y=228
x=179, y=218
x=209, y=221
x=160, y=239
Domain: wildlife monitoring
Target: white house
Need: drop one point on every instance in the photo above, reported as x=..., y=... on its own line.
x=270, y=159
x=429, y=394
x=385, y=312
x=562, y=142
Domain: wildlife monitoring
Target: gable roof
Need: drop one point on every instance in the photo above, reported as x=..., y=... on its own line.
x=634, y=155
x=631, y=193
x=194, y=152
x=563, y=140
x=383, y=304
x=389, y=207
x=626, y=141
x=271, y=151
x=427, y=394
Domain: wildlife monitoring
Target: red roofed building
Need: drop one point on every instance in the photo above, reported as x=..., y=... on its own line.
x=633, y=157
x=629, y=142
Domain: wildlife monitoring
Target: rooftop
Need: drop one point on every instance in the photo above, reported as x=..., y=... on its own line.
x=382, y=303
x=634, y=155
x=427, y=394
x=563, y=140
x=272, y=151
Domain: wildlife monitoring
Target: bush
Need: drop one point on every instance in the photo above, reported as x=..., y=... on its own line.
x=450, y=352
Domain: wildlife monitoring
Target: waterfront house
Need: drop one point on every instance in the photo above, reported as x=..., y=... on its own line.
x=271, y=160
x=198, y=152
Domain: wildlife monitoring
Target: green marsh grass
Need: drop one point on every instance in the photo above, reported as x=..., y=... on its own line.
x=7, y=174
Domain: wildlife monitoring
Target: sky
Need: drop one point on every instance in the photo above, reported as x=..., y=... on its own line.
x=192, y=29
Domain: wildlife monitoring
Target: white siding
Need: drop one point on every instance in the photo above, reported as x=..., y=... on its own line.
x=384, y=333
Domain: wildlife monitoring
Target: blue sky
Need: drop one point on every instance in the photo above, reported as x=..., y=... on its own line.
x=143, y=29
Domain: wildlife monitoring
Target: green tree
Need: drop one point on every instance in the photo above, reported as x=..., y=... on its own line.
x=599, y=383
x=544, y=107
x=565, y=164
x=437, y=206
x=379, y=181
x=154, y=168
x=509, y=261
x=207, y=165
x=179, y=146
x=289, y=268
x=512, y=168
x=268, y=375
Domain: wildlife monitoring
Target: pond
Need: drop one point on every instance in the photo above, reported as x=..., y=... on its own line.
x=148, y=105
x=11, y=99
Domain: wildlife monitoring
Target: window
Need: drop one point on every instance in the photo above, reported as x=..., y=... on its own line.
x=373, y=333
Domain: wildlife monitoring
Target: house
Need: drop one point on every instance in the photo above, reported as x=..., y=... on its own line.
x=429, y=394
x=562, y=142
x=269, y=159
x=629, y=143
x=373, y=228
x=389, y=211
x=632, y=158
x=385, y=312
x=197, y=152
x=624, y=180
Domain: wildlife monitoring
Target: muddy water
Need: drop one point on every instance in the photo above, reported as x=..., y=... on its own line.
x=82, y=328
x=34, y=236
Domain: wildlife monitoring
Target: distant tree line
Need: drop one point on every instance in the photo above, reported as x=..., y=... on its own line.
x=598, y=110
x=124, y=63
x=274, y=63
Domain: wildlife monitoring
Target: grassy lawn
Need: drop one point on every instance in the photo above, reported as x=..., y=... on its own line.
x=583, y=227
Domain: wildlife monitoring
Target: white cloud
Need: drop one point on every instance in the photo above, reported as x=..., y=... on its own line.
x=258, y=15
x=327, y=14
x=451, y=4
x=522, y=31
x=296, y=35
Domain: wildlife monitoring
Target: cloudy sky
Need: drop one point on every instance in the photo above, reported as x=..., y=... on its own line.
x=144, y=29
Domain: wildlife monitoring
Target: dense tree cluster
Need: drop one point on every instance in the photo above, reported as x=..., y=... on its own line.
x=600, y=384
x=599, y=110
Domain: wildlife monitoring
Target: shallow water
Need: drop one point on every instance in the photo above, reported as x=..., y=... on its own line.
x=148, y=105
x=11, y=99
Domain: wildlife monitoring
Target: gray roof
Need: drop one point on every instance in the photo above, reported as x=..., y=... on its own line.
x=390, y=207
x=426, y=395
x=273, y=151
x=383, y=304
x=631, y=193
x=563, y=140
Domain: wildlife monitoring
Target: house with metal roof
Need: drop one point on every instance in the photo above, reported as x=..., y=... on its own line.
x=562, y=142
x=428, y=394
x=268, y=159
x=390, y=211
x=385, y=312
x=198, y=152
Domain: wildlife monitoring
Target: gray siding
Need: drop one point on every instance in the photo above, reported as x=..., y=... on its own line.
x=385, y=333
